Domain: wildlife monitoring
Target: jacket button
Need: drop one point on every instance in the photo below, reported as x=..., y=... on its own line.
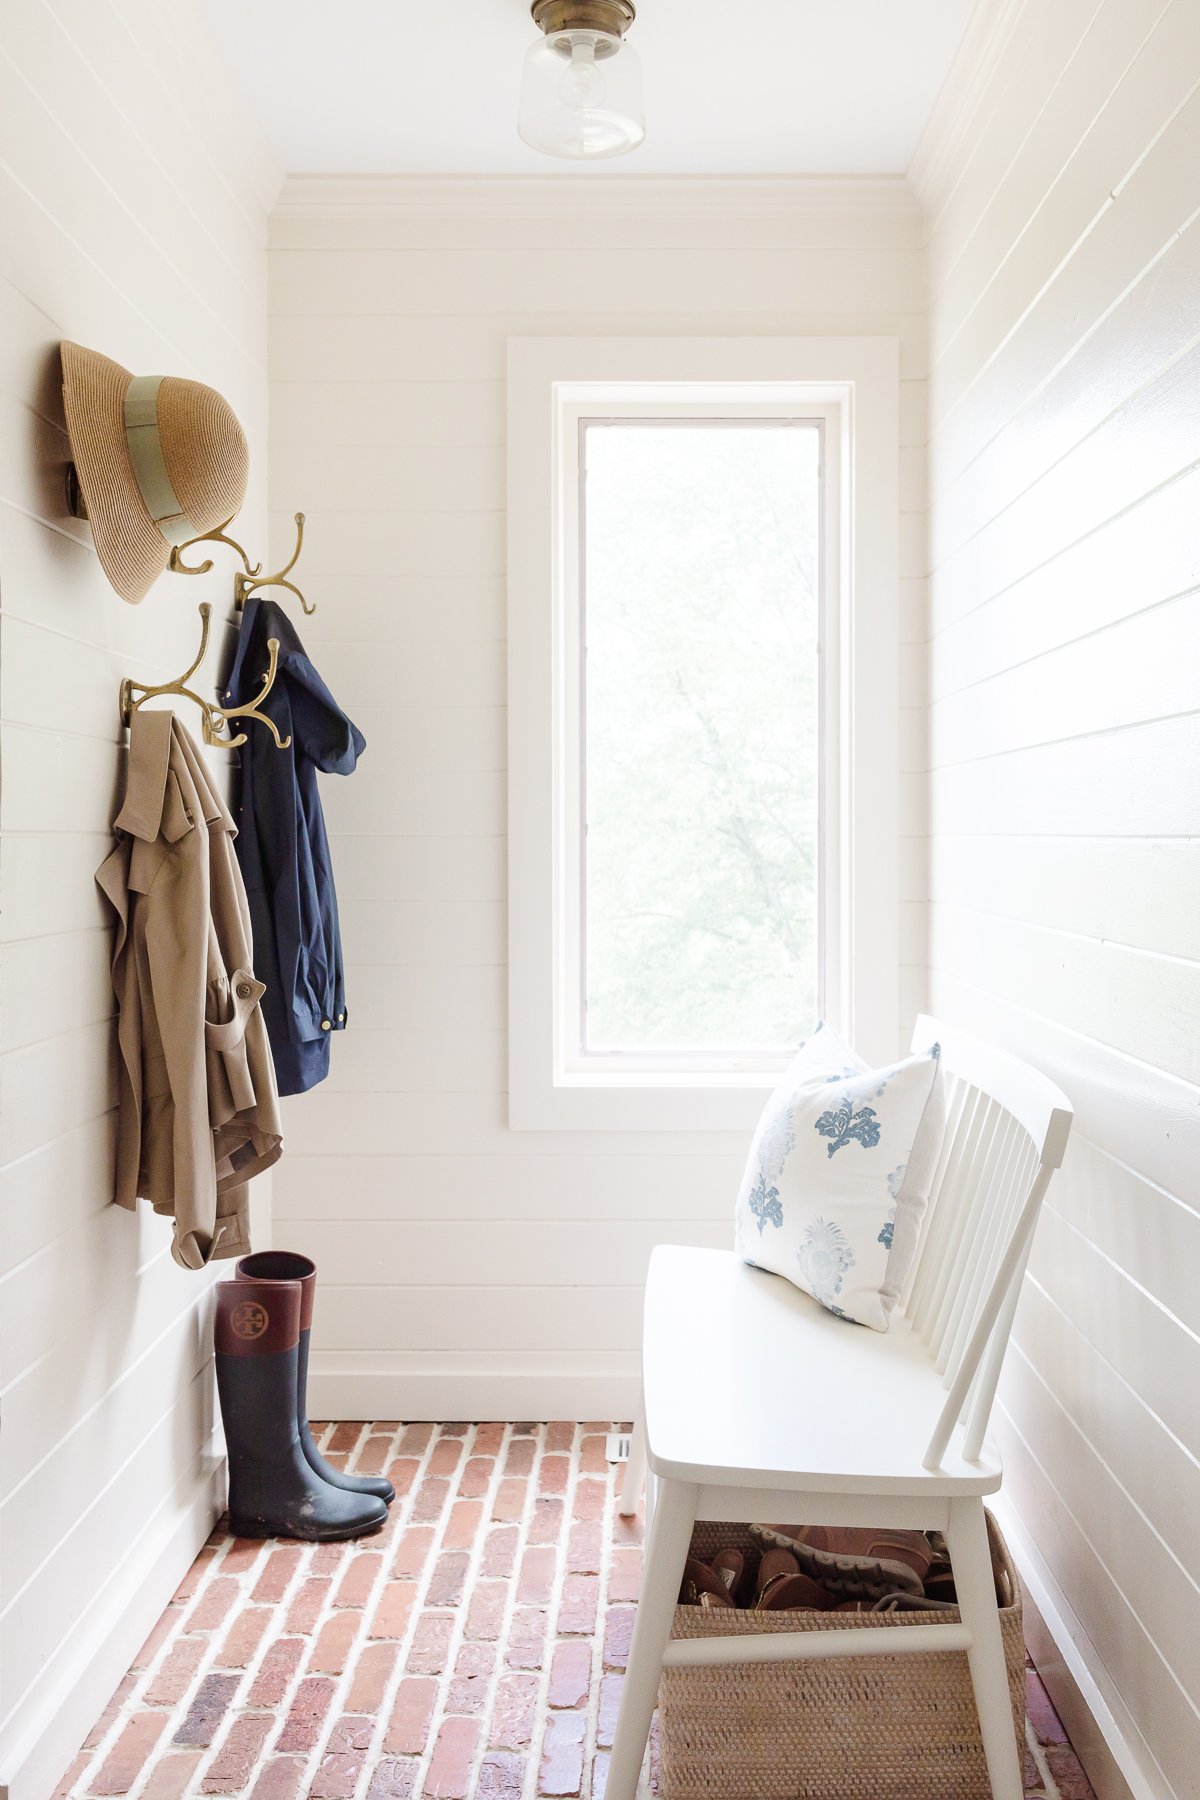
x=244, y=990
x=341, y=1018
x=325, y=1026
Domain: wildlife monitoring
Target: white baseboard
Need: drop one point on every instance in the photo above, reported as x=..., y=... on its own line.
x=388, y=1391
x=1115, y=1756
x=39, y=1745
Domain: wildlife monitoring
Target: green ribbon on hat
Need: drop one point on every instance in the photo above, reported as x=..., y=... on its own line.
x=146, y=460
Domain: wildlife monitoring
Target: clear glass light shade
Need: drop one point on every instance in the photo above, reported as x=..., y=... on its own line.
x=581, y=96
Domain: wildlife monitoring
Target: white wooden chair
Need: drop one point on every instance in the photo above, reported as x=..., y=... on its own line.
x=760, y=1405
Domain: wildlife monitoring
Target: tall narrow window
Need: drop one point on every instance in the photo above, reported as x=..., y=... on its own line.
x=700, y=581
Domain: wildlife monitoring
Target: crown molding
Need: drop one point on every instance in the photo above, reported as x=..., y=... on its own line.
x=515, y=196
x=938, y=155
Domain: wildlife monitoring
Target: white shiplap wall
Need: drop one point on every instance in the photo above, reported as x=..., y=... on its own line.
x=468, y=1270
x=1064, y=732
x=133, y=203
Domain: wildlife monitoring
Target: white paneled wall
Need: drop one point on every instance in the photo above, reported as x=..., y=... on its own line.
x=133, y=204
x=468, y=1270
x=1064, y=731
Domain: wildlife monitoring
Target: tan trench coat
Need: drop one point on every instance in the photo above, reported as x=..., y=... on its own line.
x=199, y=1114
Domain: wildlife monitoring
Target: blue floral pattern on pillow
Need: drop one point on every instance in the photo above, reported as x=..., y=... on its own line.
x=775, y=1145
x=825, y=1257
x=765, y=1204
x=847, y=1124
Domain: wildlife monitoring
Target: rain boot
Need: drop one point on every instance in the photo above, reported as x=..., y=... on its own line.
x=273, y=1490
x=287, y=1265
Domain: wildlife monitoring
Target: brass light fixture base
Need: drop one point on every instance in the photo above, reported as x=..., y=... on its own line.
x=613, y=17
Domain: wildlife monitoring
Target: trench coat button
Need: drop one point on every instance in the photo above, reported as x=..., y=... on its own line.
x=325, y=1025
x=244, y=990
x=341, y=1018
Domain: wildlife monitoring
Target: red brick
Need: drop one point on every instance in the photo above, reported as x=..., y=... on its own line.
x=592, y=1458
x=589, y=1499
x=241, y=1555
x=625, y=1575
x=450, y=1766
x=488, y=1438
x=393, y=1780
x=416, y=1440
x=372, y=1672
x=127, y=1758
x=500, y=1551
x=214, y=1602
x=393, y=1610
x=277, y=1572
x=583, y=1547
x=570, y=1674
x=170, y=1776
x=207, y=1710
x=372, y=1456
x=580, y=1596
x=472, y=1671
x=546, y=1522
x=510, y=1499
x=618, y=1630
x=345, y=1436
x=537, y=1575
x=476, y=1475
x=430, y=1498
x=279, y=1780
x=447, y=1454
x=486, y=1614
x=243, y=1638
x=430, y=1644
x=462, y=1525
x=331, y=1652
x=561, y=1770
x=1069, y=1778
x=402, y=1473
x=358, y=1578
x=337, y=1775
x=610, y=1703
x=560, y=1434
x=306, y=1606
x=1042, y=1716
x=302, y=1727
x=328, y=1559
x=631, y=1530
x=448, y=1578
x=275, y=1672
x=408, y=1727
x=501, y=1776
x=520, y=1456
x=174, y=1675
x=195, y=1574
x=553, y=1474
x=238, y=1756
x=526, y=1638
x=600, y=1775
x=512, y=1712
x=412, y=1550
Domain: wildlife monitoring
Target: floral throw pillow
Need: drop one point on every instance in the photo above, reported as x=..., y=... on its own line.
x=839, y=1175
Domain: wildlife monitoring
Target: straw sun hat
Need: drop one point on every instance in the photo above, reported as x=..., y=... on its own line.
x=159, y=460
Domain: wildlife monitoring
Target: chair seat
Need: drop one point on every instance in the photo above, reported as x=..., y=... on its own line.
x=749, y=1382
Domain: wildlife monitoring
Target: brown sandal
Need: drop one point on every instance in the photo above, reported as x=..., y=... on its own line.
x=851, y=1562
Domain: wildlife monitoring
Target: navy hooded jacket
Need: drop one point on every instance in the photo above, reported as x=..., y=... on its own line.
x=283, y=848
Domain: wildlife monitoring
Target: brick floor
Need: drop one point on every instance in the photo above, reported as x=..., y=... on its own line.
x=472, y=1649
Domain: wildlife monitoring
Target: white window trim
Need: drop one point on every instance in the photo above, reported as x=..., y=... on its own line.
x=859, y=379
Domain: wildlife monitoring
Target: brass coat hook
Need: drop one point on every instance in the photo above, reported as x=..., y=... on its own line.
x=214, y=719
x=249, y=578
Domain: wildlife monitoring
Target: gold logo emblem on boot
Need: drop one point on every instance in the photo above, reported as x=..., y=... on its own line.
x=249, y=1320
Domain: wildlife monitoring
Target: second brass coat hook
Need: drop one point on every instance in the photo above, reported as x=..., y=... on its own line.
x=249, y=578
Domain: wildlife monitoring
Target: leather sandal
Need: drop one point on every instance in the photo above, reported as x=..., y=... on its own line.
x=853, y=1563
x=782, y=1588
x=709, y=1585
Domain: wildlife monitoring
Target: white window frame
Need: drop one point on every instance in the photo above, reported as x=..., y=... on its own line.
x=852, y=386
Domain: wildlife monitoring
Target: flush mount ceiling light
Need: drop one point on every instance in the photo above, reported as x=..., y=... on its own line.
x=581, y=91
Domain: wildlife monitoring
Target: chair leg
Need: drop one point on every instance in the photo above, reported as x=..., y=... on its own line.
x=967, y=1542
x=666, y=1553
x=635, y=1471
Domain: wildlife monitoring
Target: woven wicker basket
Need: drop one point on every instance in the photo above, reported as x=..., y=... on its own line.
x=879, y=1728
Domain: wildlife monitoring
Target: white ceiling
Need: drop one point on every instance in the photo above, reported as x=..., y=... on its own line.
x=744, y=87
